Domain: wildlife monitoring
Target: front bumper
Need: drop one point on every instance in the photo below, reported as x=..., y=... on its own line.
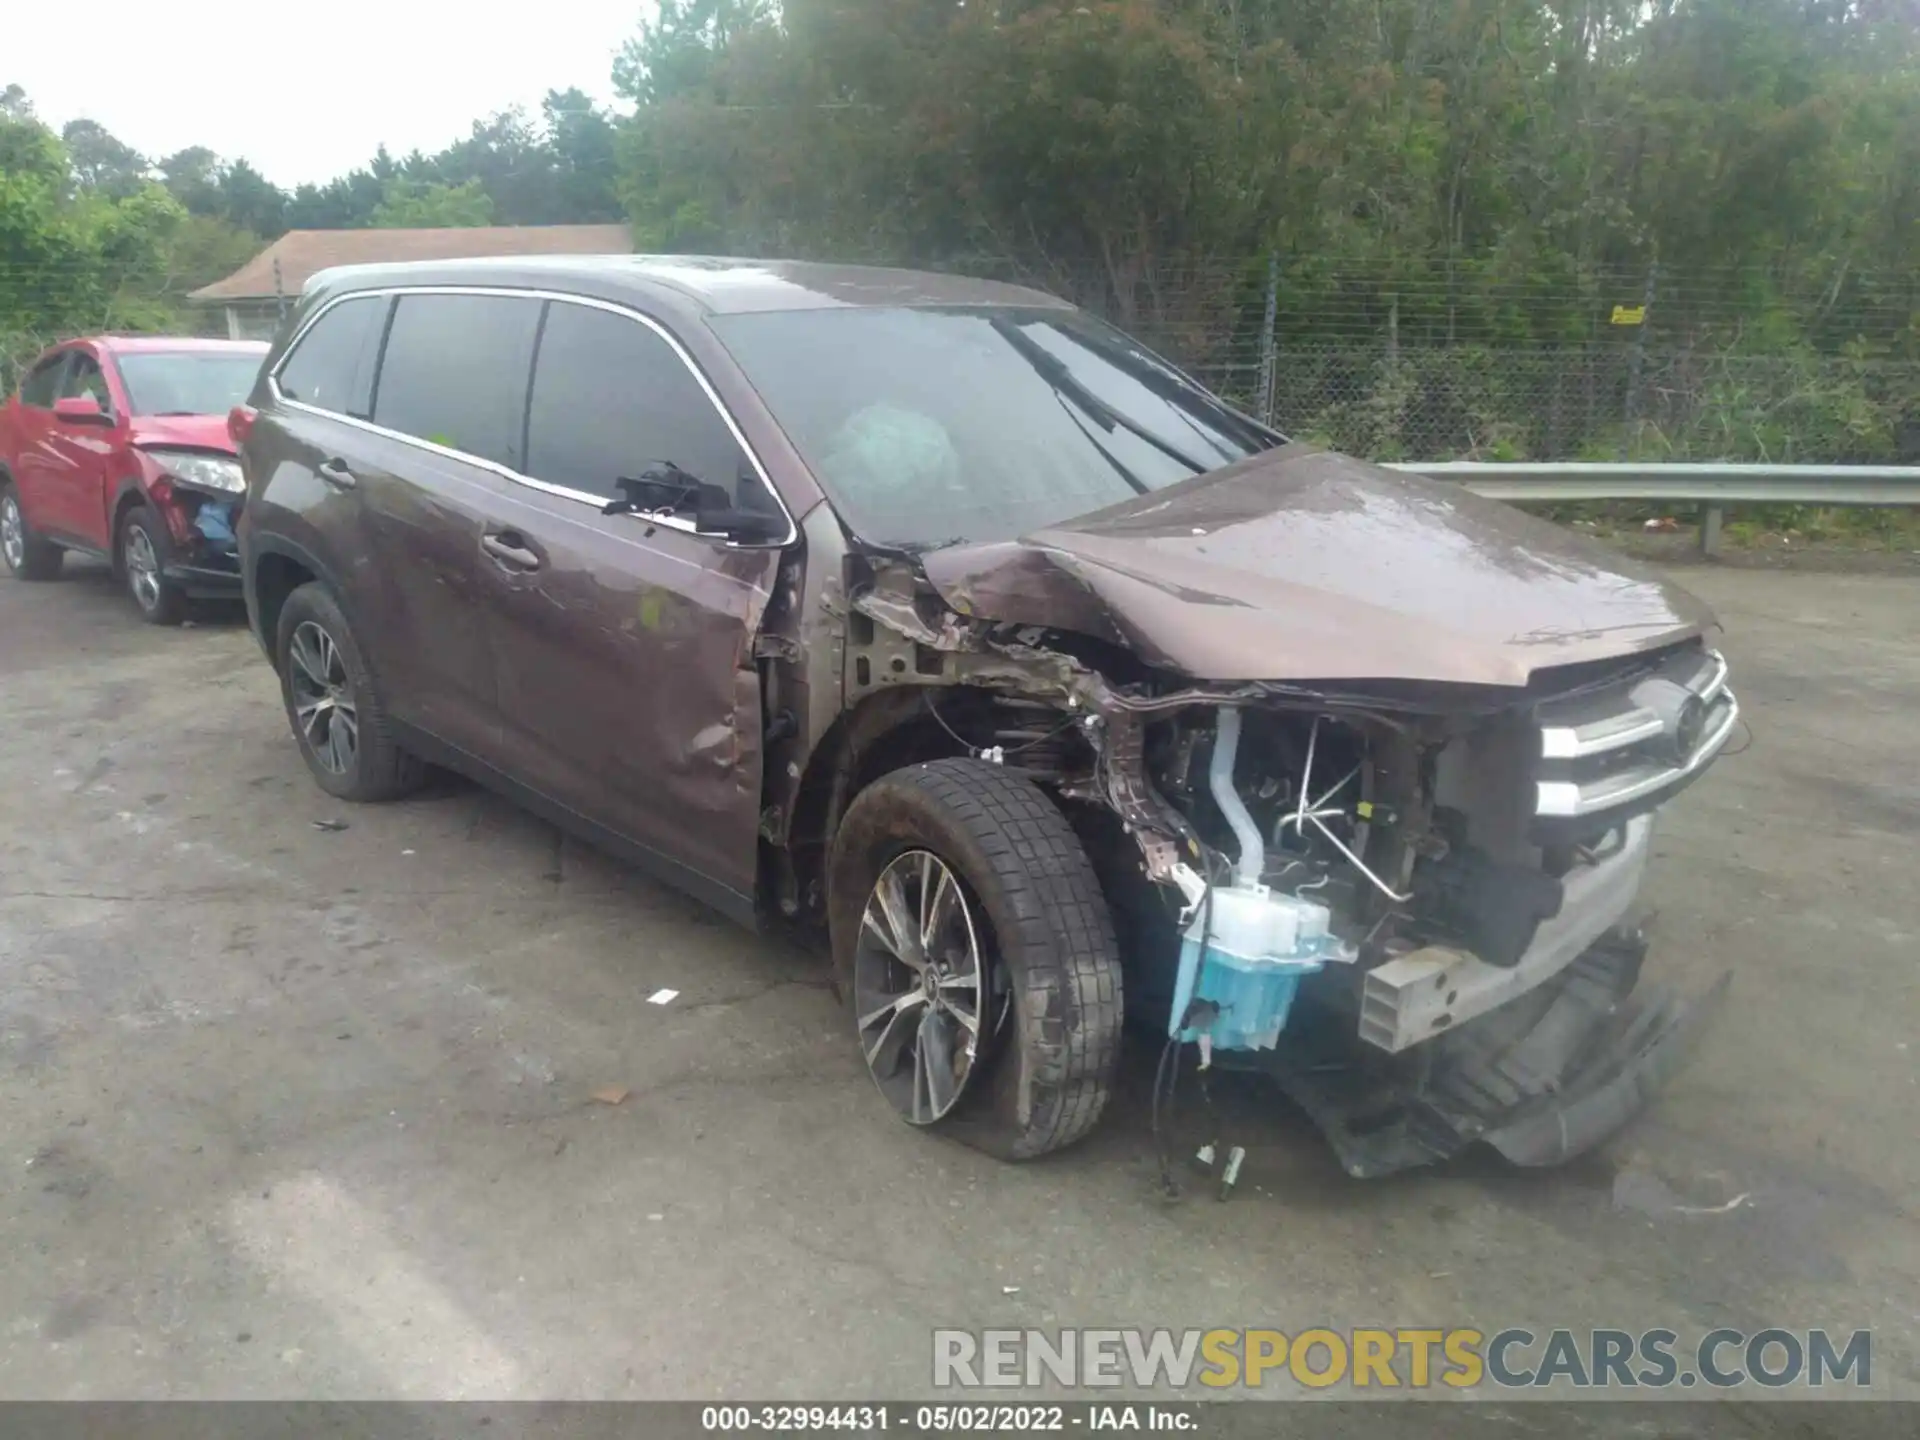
x=207, y=577
x=1542, y=1079
x=1415, y=997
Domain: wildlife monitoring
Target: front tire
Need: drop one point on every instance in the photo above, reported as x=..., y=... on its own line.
x=334, y=704
x=26, y=554
x=144, y=550
x=1034, y=1070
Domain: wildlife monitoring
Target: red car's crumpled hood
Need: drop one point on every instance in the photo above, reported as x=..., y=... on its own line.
x=195, y=432
x=1301, y=564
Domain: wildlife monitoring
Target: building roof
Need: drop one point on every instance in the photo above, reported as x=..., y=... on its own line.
x=702, y=284
x=301, y=254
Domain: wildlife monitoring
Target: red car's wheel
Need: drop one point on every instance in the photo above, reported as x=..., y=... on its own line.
x=27, y=555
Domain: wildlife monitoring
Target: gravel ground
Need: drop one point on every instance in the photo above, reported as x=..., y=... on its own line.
x=292, y=1112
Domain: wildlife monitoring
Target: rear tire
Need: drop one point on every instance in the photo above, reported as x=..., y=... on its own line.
x=1049, y=1039
x=335, y=706
x=144, y=549
x=26, y=554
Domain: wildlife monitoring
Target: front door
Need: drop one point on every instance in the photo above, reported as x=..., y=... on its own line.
x=623, y=645
x=33, y=426
x=78, y=456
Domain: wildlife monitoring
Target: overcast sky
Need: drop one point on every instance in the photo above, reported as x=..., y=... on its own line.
x=306, y=91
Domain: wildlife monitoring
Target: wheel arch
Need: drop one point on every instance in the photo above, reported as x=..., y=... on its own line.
x=276, y=567
x=882, y=732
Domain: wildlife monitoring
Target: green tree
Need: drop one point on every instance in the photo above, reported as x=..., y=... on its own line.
x=74, y=259
x=192, y=176
x=249, y=201
x=101, y=162
x=582, y=140
x=408, y=204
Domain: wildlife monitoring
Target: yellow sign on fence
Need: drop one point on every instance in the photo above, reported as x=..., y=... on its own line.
x=1629, y=314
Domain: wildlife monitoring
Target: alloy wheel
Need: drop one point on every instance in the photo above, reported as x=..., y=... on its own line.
x=921, y=986
x=13, y=532
x=143, y=568
x=323, y=701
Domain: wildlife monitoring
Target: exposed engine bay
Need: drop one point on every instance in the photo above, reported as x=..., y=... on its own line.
x=1412, y=906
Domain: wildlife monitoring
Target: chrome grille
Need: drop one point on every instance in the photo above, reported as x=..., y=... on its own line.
x=1634, y=743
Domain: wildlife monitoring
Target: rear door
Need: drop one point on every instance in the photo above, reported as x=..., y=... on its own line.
x=308, y=450
x=450, y=407
x=624, y=646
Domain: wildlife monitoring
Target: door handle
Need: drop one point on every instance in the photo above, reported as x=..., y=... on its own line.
x=336, y=474
x=510, y=550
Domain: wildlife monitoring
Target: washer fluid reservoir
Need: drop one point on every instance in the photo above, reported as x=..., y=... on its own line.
x=1246, y=950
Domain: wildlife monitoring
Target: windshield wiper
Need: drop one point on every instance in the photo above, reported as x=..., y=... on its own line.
x=1180, y=392
x=1060, y=377
x=1139, y=485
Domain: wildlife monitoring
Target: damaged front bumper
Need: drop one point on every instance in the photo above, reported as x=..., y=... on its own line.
x=207, y=563
x=1542, y=1079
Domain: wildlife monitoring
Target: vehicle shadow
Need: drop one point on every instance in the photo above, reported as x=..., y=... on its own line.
x=94, y=584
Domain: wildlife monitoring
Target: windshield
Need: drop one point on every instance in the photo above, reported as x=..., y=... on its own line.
x=189, y=382
x=933, y=426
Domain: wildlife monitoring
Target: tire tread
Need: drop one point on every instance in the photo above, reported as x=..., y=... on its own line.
x=1063, y=943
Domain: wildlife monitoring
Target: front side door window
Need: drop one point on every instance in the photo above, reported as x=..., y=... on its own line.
x=85, y=377
x=611, y=397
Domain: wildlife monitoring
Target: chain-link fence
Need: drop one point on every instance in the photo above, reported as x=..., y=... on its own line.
x=1431, y=364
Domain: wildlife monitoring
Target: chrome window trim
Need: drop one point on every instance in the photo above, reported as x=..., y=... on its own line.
x=598, y=502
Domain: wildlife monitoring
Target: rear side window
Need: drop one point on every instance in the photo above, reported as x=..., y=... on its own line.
x=610, y=397
x=42, y=382
x=455, y=373
x=331, y=367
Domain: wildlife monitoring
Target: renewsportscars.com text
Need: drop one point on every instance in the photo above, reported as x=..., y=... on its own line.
x=1379, y=1359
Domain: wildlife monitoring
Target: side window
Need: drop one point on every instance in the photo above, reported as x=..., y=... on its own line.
x=455, y=372
x=42, y=382
x=84, y=378
x=611, y=397
x=332, y=366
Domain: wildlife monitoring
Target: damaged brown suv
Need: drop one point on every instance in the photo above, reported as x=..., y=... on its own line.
x=1059, y=691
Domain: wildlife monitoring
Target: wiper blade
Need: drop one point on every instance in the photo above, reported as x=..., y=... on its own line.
x=1139, y=486
x=1177, y=390
x=1059, y=375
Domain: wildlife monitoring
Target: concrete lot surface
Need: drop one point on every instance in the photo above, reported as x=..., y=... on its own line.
x=291, y=1112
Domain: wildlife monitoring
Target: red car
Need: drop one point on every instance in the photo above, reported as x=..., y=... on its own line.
x=117, y=447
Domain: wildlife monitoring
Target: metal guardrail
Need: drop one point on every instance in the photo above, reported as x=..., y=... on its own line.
x=1711, y=487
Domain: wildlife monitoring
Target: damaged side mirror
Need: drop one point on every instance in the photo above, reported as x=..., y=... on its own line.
x=666, y=489
x=748, y=527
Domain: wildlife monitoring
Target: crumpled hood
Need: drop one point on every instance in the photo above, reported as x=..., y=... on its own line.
x=191, y=432
x=1301, y=564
